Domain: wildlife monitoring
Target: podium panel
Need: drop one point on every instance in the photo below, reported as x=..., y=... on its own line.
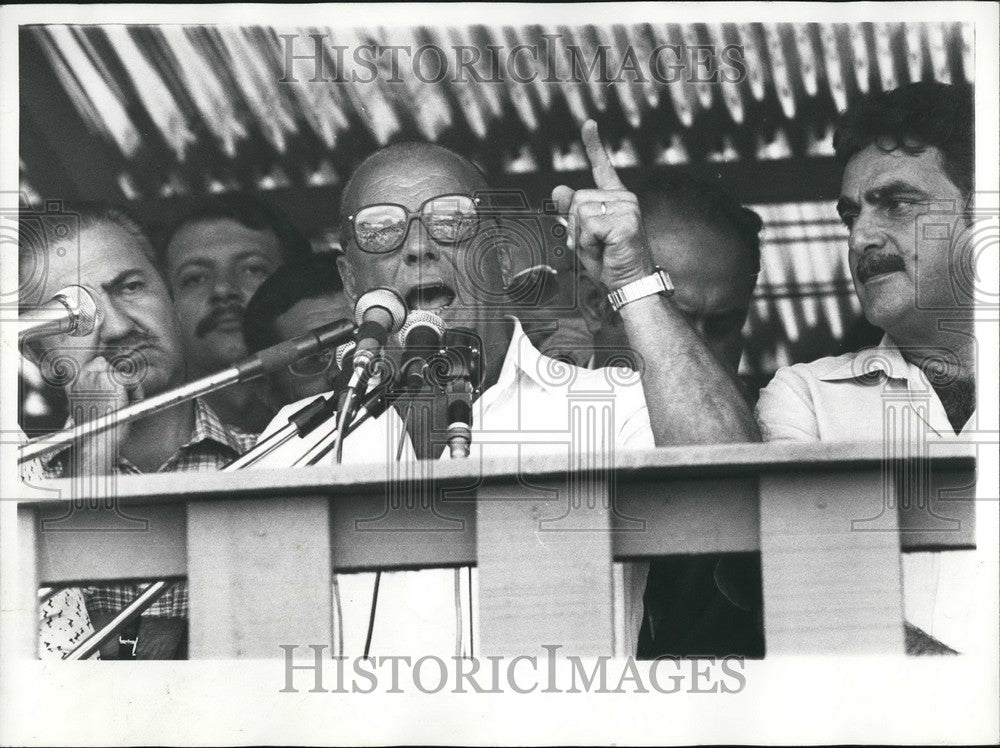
x=828, y=589
x=259, y=548
x=260, y=576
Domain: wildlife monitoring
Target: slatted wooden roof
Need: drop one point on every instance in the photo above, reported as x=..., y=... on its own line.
x=174, y=110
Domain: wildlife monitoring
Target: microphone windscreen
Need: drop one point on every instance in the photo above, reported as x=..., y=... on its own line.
x=384, y=298
x=423, y=330
x=344, y=354
x=83, y=304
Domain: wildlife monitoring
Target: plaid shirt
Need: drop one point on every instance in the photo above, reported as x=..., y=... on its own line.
x=211, y=446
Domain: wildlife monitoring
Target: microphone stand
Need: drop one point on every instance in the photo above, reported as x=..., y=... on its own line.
x=266, y=361
x=464, y=376
x=462, y=384
x=302, y=422
x=149, y=595
x=306, y=419
x=459, y=399
x=299, y=424
x=373, y=406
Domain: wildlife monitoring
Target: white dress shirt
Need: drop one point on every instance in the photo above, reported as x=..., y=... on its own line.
x=534, y=405
x=864, y=396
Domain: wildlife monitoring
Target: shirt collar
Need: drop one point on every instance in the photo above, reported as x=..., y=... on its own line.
x=868, y=362
x=208, y=427
x=524, y=359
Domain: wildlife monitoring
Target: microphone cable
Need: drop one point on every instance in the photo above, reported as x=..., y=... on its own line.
x=378, y=574
x=402, y=434
x=464, y=379
x=339, y=617
x=371, y=615
x=458, y=611
x=472, y=651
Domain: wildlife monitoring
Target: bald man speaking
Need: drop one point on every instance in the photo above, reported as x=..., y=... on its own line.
x=413, y=220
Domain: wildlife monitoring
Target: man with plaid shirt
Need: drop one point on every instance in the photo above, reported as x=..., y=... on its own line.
x=212, y=445
x=134, y=350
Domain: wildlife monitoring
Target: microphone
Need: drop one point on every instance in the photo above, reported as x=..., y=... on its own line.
x=72, y=311
x=420, y=338
x=344, y=359
x=342, y=379
x=344, y=355
x=339, y=386
x=278, y=356
x=308, y=418
x=298, y=424
x=464, y=356
x=378, y=313
x=269, y=360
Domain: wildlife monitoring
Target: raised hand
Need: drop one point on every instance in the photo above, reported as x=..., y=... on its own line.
x=604, y=224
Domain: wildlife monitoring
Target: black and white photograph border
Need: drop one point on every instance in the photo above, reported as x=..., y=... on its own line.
x=607, y=557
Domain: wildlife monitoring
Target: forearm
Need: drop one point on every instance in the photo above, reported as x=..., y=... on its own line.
x=691, y=398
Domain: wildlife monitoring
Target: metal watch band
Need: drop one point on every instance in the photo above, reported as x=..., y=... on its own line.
x=658, y=282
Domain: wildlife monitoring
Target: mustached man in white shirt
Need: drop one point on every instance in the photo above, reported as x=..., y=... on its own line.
x=905, y=196
x=393, y=236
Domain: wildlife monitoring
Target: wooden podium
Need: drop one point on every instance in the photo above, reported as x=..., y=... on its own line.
x=830, y=521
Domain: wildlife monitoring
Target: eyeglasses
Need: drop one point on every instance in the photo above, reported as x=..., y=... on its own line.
x=381, y=228
x=312, y=365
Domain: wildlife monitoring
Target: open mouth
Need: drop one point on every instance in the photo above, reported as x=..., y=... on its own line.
x=871, y=266
x=431, y=297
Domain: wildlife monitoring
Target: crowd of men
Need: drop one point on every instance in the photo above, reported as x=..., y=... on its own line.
x=666, y=273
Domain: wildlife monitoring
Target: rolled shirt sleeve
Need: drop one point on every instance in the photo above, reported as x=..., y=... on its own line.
x=785, y=410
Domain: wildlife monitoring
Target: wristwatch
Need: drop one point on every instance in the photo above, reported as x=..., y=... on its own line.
x=658, y=282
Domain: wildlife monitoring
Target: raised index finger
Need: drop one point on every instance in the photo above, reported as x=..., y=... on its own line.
x=605, y=176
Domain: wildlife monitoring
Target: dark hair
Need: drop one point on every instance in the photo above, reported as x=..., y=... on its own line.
x=250, y=212
x=283, y=289
x=914, y=117
x=706, y=202
x=68, y=218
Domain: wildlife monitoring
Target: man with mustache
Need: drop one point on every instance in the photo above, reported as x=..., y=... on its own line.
x=214, y=259
x=134, y=351
x=412, y=221
x=906, y=198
